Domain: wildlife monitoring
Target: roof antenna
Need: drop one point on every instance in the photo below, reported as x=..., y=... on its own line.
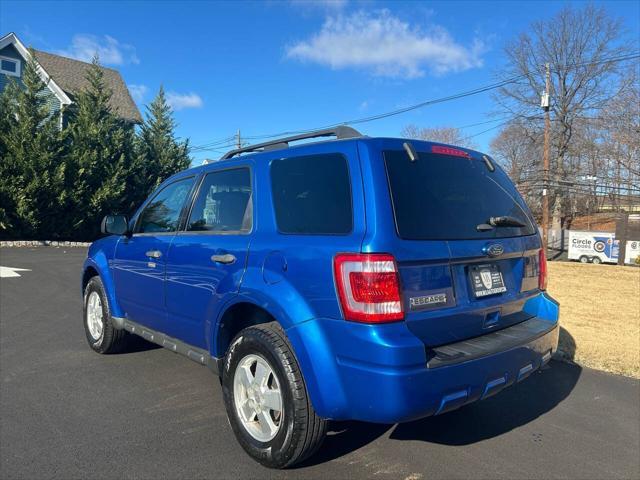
x=413, y=155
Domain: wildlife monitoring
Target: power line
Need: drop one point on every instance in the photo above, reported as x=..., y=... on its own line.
x=380, y=116
x=221, y=142
x=575, y=187
x=399, y=111
x=619, y=58
x=475, y=91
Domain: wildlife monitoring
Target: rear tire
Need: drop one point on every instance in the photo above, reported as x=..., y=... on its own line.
x=584, y=259
x=102, y=336
x=294, y=432
x=596, y=260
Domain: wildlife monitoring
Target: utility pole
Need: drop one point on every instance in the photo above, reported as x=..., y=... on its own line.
x=239, y=142
x=544, y=103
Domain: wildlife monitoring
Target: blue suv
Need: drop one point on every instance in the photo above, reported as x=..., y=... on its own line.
x=373, y=279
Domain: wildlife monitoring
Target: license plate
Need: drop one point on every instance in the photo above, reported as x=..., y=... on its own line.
x=486, y=280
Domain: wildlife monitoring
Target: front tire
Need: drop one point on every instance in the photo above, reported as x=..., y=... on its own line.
x=596, y=260
x=102, y=336
x=266, y=399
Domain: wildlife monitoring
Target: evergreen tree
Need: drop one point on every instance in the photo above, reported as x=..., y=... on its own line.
x=161, y=154
x=100, y=158
x=6, y=198
x=31, y=173
x=59, y=184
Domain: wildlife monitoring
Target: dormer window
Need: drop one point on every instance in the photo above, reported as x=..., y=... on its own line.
x=10, y=66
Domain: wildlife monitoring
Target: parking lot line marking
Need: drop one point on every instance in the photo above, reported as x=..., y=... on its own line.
x=10, y=272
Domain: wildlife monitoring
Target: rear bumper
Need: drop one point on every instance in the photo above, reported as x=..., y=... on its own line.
x=385, y=374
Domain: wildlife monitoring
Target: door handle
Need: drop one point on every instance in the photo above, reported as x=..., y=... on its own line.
x=226, y=258
x=154, y=253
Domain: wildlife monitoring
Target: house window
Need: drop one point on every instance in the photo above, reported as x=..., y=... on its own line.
x=10, y=66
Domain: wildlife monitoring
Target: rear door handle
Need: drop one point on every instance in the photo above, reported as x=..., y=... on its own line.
x=154, y=253
x=226, y=258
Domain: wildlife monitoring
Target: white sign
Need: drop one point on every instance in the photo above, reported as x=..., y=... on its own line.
x=632, y=251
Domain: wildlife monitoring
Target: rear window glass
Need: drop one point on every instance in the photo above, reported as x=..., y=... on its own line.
x=442, y=197
x=312, y=195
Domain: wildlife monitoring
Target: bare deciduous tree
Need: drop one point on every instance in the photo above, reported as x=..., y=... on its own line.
x=583, y=47
x=448, y=135
x=517, y=149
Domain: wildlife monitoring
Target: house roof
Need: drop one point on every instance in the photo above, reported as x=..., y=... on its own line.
x=12, y=39
x=66, y=77
x=71, y=74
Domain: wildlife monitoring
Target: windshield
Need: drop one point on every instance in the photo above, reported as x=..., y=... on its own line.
x=443, y=197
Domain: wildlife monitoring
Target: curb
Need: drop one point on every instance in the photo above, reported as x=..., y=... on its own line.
x=43, y=243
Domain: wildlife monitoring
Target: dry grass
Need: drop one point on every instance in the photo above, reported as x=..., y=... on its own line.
x=599, y=315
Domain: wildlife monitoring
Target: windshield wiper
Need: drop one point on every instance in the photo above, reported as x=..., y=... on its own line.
x=505, y=221
x=496, y=222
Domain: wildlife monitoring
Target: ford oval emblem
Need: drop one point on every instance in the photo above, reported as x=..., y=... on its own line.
x=494, y=250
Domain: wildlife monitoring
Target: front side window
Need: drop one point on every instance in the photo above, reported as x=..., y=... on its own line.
x=162, y=214
x=312, y=195
x=223, y=203
x=9, y=66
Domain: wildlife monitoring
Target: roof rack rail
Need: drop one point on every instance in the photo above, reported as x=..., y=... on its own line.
x=340, y=132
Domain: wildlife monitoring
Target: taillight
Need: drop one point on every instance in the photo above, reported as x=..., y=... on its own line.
x=542, y=270
x=441, y=149
x=368, y=287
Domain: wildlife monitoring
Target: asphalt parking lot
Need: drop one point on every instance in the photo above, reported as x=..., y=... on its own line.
x=67, y=412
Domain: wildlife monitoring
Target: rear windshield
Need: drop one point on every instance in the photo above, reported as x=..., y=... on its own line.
x=442, y=197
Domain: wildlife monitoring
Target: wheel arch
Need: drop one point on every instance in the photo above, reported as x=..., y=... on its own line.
x=98, y=265
x=88, y=274
x=244, y=313
x=236, y=317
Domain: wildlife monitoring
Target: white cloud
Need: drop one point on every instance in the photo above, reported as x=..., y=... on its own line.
x=179, y=101
x=138, y=92
x=109, y=50
x=386, y=46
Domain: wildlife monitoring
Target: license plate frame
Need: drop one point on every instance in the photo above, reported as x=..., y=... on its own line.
x=481, y=275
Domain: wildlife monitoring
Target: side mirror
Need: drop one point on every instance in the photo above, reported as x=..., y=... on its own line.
x=115, y=225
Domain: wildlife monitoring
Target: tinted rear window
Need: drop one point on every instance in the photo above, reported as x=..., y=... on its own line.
x=312, y=195
x=442, y=197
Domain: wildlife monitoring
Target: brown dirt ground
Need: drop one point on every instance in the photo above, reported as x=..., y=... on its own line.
x=599, y=315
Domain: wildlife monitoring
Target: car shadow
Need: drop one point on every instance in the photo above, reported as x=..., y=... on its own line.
x=136, y=344
x=506, y=411
x=566, y=346
x=510, y=409
x=343, y=438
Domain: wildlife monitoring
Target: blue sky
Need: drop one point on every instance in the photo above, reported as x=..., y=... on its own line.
x=267, y=67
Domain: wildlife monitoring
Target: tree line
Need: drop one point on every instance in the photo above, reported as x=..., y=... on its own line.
x=595, y=115
x=57, y=181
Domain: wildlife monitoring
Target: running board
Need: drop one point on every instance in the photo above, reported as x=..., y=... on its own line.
x=196, y=354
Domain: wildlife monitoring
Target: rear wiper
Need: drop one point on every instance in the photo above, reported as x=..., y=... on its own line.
x=496, y=222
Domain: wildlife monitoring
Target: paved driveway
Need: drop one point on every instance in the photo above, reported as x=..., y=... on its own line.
x=67, y=412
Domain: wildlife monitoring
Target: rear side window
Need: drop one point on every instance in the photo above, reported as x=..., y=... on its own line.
x=223, y=203
x=312, y=195
x=442, y=197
